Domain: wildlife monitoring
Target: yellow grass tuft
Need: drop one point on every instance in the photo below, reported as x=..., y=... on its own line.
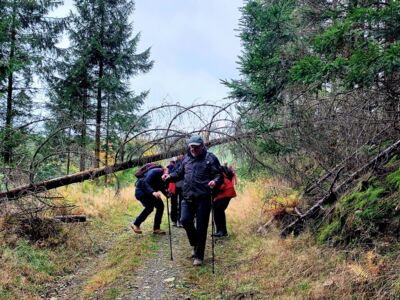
x=94, y=201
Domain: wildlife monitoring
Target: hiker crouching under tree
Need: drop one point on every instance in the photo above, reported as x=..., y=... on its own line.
x=148, y=190
x=201, y=173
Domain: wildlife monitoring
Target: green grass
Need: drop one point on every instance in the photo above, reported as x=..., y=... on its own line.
x=328, y=231
x=394, y=179
x=38, y=259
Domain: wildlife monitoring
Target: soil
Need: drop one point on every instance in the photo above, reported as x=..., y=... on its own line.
x=158, y=278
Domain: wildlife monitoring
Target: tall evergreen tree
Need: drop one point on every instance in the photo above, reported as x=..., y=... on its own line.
x=70, y=104
x=92, y=79
x=27, y=34
x=101, y=28
x=267, y=32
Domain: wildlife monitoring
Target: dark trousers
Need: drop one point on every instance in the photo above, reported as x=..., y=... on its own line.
x=219, y=214
x=176, y=203
x=199, y=209
x=150, y=202
x=174, y=208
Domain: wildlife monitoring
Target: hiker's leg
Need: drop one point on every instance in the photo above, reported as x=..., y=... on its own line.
x=159, y=205
x=180, y=198
x=219, y=216
x=224, y=205
x=188, y=211
x=174, y=208
x=202, y=219
x=148, y=208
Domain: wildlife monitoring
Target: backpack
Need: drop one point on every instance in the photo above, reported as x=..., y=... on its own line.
x=143, y=169
x=228, y=172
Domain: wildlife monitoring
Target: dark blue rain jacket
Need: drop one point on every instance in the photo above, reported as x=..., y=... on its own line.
x=150, y=183
x=197, y=172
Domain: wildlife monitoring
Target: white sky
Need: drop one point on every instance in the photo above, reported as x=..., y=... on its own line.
x=193, y=43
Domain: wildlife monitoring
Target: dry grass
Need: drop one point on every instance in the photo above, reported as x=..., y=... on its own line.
x=27, y=267
x=249, y=265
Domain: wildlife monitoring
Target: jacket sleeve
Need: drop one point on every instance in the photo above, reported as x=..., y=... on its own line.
x=179, y=173
x=216, y=172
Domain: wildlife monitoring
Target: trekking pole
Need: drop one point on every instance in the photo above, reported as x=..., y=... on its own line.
x=169, y=231
x=212, y=233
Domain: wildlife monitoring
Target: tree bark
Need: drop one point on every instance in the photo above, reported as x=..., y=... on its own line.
x=82, y=160
x=7, y=151
x=99, y=92
x=98, y=116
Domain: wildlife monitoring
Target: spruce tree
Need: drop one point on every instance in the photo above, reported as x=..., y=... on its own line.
x=102, y=32
x=27, y=36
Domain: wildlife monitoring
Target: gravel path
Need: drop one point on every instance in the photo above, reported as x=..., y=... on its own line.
x=157, y=279
x=160, y=276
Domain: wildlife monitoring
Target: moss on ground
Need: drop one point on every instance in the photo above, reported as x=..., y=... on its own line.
x=366, y=214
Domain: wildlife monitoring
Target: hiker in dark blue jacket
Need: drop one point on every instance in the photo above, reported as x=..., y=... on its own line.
x=201, y=174
x=148, y=193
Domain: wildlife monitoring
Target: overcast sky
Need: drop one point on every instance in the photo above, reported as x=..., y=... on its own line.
x=193, y=43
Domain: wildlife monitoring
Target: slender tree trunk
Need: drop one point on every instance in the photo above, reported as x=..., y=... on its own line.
x=98, y=116
x=122, y=153
x=7, y=151
x=69, y=151
x=99, y=93
x=82, y=161
x=107, y=137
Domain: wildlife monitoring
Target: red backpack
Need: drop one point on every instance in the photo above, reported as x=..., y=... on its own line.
x=227, y=189
x=143, y=169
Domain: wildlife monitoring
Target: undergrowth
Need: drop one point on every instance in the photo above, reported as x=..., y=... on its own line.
x=28, y=266
x=250, y=266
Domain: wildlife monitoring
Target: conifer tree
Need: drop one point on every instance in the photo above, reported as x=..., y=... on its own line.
x=103, y=32
x=27, y=36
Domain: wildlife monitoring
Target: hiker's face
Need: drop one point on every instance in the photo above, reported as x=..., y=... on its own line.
x=196, y=150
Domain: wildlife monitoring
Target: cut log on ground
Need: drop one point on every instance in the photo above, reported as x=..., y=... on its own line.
x=71, y=218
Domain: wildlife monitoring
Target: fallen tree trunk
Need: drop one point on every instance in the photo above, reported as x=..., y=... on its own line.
x=341, y=165
x=335, y=193
x=98, y=172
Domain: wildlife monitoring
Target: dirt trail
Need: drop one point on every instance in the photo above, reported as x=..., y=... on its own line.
x=157, y=279
x=160, y=276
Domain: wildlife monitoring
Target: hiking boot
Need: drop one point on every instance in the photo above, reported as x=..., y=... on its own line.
x=136, y=229
x=174, y=224
x=197, y=262
x=220, y=234
x=179, y=224
x=159, y=231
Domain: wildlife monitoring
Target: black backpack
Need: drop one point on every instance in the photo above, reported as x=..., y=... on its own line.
x=143, y=169
x=229, y=174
